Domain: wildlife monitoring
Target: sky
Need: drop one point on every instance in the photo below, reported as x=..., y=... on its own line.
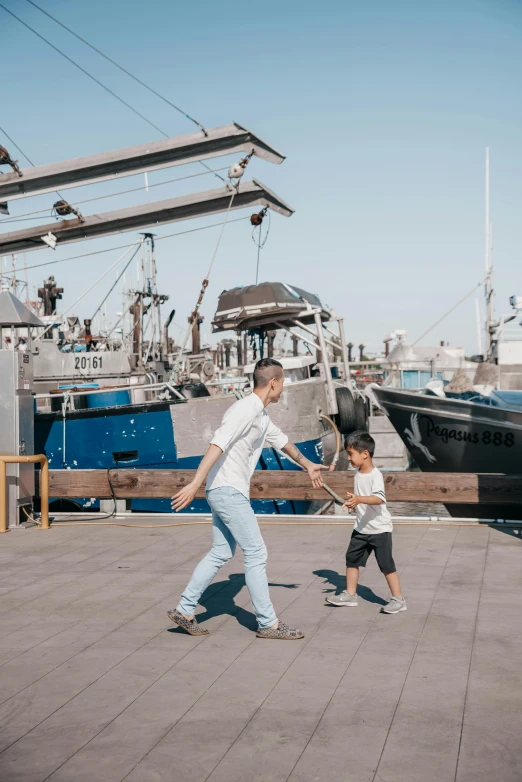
x=383, y=110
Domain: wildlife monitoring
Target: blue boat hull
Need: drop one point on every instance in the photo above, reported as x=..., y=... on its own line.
x=141, y=436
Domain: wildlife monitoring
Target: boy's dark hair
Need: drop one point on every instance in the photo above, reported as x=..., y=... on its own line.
x=265, y=370
x=360, y=441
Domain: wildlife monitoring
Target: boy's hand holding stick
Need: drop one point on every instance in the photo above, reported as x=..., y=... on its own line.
x=351, y=502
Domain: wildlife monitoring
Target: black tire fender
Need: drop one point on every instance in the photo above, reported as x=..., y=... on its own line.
x=346, y=417
x=361, y=414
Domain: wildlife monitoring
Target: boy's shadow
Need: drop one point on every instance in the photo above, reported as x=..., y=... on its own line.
x=338, y=581
x=218, y=599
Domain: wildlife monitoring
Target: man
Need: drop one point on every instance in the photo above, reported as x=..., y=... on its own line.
x=229, y=464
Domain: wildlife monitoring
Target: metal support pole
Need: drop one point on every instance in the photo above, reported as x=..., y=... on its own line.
x=333, y=409
x=3, y=497
x=44, y=486
x=44, y=494
x=295, y=345
x=301, y=325
x=344, y=348
x=309, y=342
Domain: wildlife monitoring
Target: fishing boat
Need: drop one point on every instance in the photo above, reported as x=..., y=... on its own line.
x=133, y=399
x=107, y=428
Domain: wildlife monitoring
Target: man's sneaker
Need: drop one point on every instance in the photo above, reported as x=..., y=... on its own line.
x=395, y=605
x=190, y=626
x=344, y=599
x=281, y=633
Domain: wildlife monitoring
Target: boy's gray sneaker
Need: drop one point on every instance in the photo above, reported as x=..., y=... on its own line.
x=344, y=599
x=395, y=605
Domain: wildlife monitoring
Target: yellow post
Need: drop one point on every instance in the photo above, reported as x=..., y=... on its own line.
x=3, y=497
x=44, y=486
x=44, y=494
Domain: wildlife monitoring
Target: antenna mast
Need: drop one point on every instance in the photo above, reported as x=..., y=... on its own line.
x=488, y=290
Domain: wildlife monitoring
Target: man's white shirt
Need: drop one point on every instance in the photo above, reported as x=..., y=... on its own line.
x=245, y=428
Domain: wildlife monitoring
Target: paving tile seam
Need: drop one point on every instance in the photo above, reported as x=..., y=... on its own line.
x=108, y=605
x=293, y=662
x=140, y=587
x=471, y=659
x=88, y=685
x=18, y=570
x=71, y=539
x=58, y=587
x=107, y=564
x=19, y=541
x=227, y=668
x=88, y=540
x=68, y=660
x=111, y=668
x=370, y=626
x=374, y=581
x=377, y=777
x=189, y=651
x=143, y=548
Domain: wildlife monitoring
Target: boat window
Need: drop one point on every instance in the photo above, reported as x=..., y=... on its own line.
x=125, y=456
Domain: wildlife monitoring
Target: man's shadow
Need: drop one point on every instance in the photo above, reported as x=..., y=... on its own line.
x=338, y=581
x=218, y=599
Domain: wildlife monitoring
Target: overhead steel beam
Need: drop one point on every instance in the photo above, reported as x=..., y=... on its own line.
x=170, y=211
x=135, y=160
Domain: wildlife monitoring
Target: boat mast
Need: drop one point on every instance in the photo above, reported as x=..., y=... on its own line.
x=488, y=289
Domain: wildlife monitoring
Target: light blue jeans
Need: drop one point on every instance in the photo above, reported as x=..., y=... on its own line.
x=233, y=521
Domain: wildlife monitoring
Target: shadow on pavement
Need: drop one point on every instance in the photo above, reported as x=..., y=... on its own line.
x=338, y=581
x=218, y=600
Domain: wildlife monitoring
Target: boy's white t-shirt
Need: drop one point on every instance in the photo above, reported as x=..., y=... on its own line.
x=371, y=519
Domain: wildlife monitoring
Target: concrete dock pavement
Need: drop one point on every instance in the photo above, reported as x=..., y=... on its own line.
x=95, y=682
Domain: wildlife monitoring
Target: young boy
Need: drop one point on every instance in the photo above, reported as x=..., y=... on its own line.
x=373, y=528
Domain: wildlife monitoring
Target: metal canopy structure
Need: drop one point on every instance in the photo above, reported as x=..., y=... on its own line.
x=14, y=313
x=170, y=211
x=135, y=160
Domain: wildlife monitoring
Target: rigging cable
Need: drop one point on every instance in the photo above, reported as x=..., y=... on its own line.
x=105, y=273
x=118, y=278
x=97, y=81
x=76, y=65
x=235, y=172
x=204, y=285
x=15, y=145
x=110, y=195
x=117, y=65
x=450, y=311
x=122, y=246
x=261, y=243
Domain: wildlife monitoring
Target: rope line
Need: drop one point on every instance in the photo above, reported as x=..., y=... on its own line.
x=15, y=145
x=122, y=246
x=80, y=68
x=105, y=273
x=97, y=81
x=121, y=68
x=450, y=311
x=204, y=286
x=118, y=278
x=111, y=195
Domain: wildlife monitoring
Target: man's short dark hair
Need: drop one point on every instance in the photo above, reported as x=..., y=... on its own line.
x=360, y=441
x=265, y=370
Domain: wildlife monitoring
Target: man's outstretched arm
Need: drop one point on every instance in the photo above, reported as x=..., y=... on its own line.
x=313, y=470
x=185, y=496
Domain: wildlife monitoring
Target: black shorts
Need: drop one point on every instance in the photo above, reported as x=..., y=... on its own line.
x=361, y=546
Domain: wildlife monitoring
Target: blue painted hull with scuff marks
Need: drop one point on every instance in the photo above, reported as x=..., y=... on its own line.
x=141, y=436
